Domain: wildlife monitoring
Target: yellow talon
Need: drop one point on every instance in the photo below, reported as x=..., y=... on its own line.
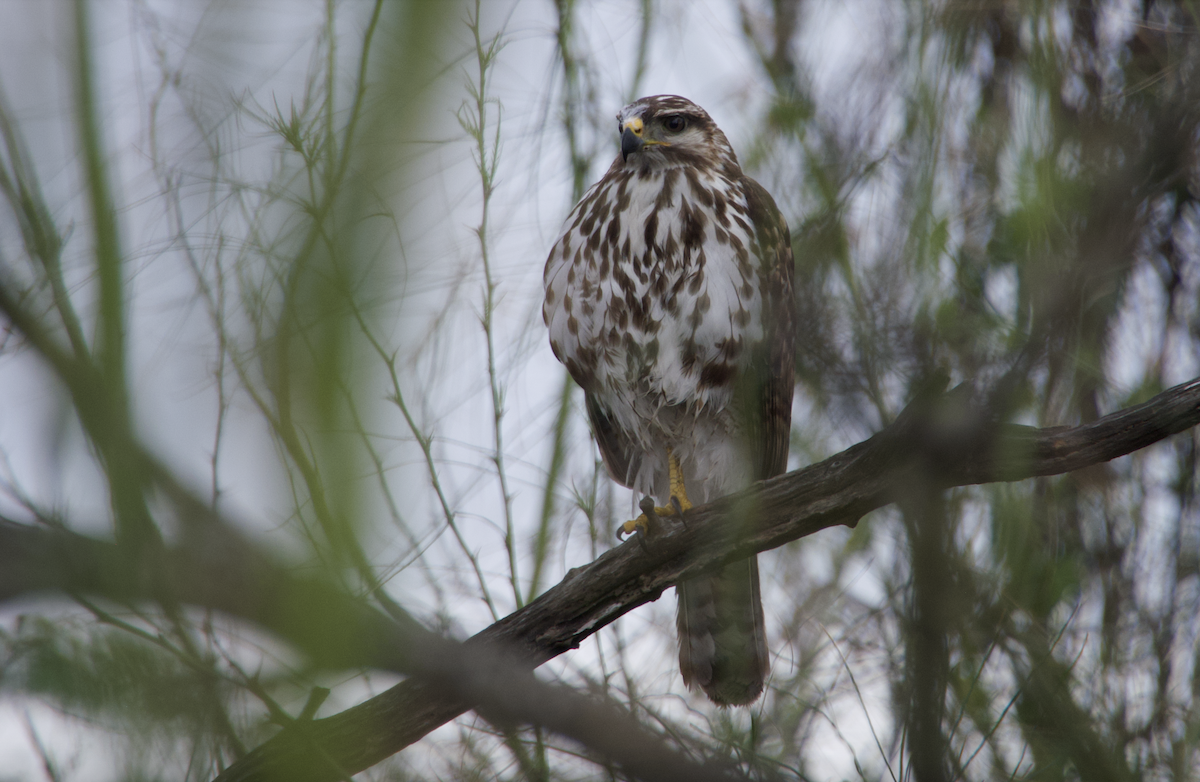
x=679, y=501
x=640, y=524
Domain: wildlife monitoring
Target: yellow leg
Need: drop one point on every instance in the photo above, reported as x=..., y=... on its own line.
x=679, y=499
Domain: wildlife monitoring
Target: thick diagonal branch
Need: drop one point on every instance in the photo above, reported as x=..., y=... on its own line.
x=223, y=572
x=837, y=491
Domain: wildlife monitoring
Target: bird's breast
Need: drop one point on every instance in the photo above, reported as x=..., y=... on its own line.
x=652, y=292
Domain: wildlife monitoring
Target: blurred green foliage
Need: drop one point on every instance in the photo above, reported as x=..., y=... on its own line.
x=1003, y=194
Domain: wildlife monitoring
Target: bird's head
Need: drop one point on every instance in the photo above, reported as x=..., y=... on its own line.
x=667, y=131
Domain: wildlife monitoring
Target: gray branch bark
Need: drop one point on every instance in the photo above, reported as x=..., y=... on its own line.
x=962, y=447
x=946, y=438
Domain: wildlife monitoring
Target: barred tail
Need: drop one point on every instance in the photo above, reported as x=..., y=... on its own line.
x=722, y=642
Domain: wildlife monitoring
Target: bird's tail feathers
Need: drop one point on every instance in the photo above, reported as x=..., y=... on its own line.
x=722, y=639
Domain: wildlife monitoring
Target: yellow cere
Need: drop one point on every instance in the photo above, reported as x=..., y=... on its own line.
x=635, y=124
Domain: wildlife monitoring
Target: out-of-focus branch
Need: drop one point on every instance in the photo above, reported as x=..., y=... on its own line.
x=218, y=569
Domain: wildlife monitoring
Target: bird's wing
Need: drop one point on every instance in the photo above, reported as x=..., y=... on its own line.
x=768, y=403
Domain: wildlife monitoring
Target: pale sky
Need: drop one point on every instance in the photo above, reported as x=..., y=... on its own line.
x=259, y=53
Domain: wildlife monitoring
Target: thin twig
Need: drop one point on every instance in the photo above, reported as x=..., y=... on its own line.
x=487, y=157
x=426, y=444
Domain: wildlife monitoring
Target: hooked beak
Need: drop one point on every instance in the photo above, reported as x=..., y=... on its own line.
x=631, y=139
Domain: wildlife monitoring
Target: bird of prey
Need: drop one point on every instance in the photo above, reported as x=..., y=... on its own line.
x=669, y=299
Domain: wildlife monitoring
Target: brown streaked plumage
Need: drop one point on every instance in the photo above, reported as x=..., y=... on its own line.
x=669, y=299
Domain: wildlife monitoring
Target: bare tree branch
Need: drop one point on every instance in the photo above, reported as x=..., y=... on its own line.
x=216, y=568
x=837, y=491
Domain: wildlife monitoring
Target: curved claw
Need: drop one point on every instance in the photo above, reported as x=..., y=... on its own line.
x=678, y=506
x=650, y=514
x=633, y=525
x=642, y=523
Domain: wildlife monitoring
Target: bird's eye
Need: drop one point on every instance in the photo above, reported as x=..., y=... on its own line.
x=675, y=123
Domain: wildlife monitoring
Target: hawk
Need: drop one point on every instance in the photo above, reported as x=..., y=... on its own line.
x=669, y=299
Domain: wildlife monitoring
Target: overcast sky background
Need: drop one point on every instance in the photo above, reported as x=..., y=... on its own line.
x=259, y=53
